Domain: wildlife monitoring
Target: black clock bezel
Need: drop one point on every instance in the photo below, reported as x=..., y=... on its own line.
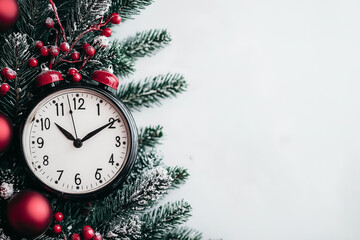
x=108, y=188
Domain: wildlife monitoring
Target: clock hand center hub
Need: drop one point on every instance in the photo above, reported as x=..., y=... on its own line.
x=78, y=143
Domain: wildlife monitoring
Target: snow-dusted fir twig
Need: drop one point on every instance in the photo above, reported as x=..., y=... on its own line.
x=150, y=136
x=129, y=8
x=183, y=233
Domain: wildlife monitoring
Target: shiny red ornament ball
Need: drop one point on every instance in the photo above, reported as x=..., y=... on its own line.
x=4, y=89
x=65, y=47
x=106, y=32
x=76, y=77
x=29, y=213
x=89, y=51
x=54, y=51
x=97, y=237
x=58, y=216
x=6, y=132
x=9, y=12
x=88, y=233
x=57, y=228
x=75, y=56
x=75, y=236
x=39, y=44
x=72, y=71
x=33, y=62
x=49, y=22
x=115, y=18
x=44, y=51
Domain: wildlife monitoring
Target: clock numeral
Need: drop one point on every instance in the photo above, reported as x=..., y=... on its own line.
x=46, y=160
x=40, y=141
x=59, y=109
x=61, y=173
x=45, y=124
x=77, y=179
x=111, y=159
x=98, y=174
x=111, y=125
x=81, y=102
x=118, y=143
x=98, y=108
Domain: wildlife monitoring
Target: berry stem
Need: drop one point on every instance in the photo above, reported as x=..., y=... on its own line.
x=58, y=19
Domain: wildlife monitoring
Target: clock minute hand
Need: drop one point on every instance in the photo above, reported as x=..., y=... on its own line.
x=66, y=133
x=91, y=134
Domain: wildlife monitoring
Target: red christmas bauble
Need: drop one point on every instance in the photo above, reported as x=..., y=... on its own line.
x=9, y=12
x=49, y=22
x=76, y=77
x=106, y=32
x=33, y=62
x=65, y=47
x=89, y=51
x=75, y=56
x=29, y=213
x=75, y=236
x=97, y=237
x=4, y=89
x=88, y=233
x=6, y=132
x=54, y=51
x=44, y=51
x=115, y=18
x=58, y=216
x=39, y=44
x=57, y=228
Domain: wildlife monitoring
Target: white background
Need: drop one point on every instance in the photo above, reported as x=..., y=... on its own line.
x=270, y=125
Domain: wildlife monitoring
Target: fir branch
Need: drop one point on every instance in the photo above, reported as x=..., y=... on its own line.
x=123, y=228
x=164, y=219
x=179, y=175
x=150, y=91
x=128, y=8
x=150, y=136
x=146, y=43
x=183, y=234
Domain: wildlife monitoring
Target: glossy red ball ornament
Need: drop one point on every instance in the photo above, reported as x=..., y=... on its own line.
x=4, y=89
x=57, y=229
x=89, y=51
x=106, y=32
x=75, y=56
x=33, y=62
x=72, y=71
x=97, y=237
x=106, y=78
x=9, y=12
x=44, y=51
x=76, y=77
x=54, y=51
x=29, y=213
x=39, y=44
x=88, y=233
x=65, y=47
x=49, y=22
x=75, y=236
x=58, y=216
x=48, y=77
x=115, y=18
x=6, y=132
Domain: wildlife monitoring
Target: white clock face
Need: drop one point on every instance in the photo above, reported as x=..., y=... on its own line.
x=76, y=141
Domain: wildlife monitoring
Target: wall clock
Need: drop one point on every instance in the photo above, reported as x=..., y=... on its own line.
x=79, y=141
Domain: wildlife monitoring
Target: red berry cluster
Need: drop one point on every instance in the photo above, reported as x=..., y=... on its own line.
x=87, y=234
x=74, y=74
x=7, y=74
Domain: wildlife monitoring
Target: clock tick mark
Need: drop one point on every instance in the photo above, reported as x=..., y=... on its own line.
x=77, y=187
x=117, y=164
x=100, y=181
x=56, y=182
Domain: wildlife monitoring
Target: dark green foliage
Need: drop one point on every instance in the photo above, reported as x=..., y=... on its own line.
x=179, y=174
x=128, y=8
x=152, y=90
x=159, y=222
x=150, y=136
x=183, y=234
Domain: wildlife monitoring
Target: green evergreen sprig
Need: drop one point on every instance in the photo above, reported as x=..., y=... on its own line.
x=128, y=8
x=183, y=233
x=150, y=136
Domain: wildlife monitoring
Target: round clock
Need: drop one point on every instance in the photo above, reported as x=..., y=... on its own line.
x=79, y=141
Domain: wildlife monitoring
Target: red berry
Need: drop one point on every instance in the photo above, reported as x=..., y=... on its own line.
x=4, y=71
x=85, y=45
x=90, y=51
x=75, y=56
x=39, y=44
x=106, y=32
x=54, y=51
x=58, y=216
x=44, y=51
x=8, y=73
x=72, y=71
x=88, y=233
x=5, y=88
x=33, y=62
x=49, y=22
x=76, y=77
x=97, y=237
x=115, y=18
x=57, y=228
x=65, y=47
x=75, y=236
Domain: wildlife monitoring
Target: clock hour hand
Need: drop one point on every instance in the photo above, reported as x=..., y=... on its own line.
x=91, y=134
x=66, y=133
